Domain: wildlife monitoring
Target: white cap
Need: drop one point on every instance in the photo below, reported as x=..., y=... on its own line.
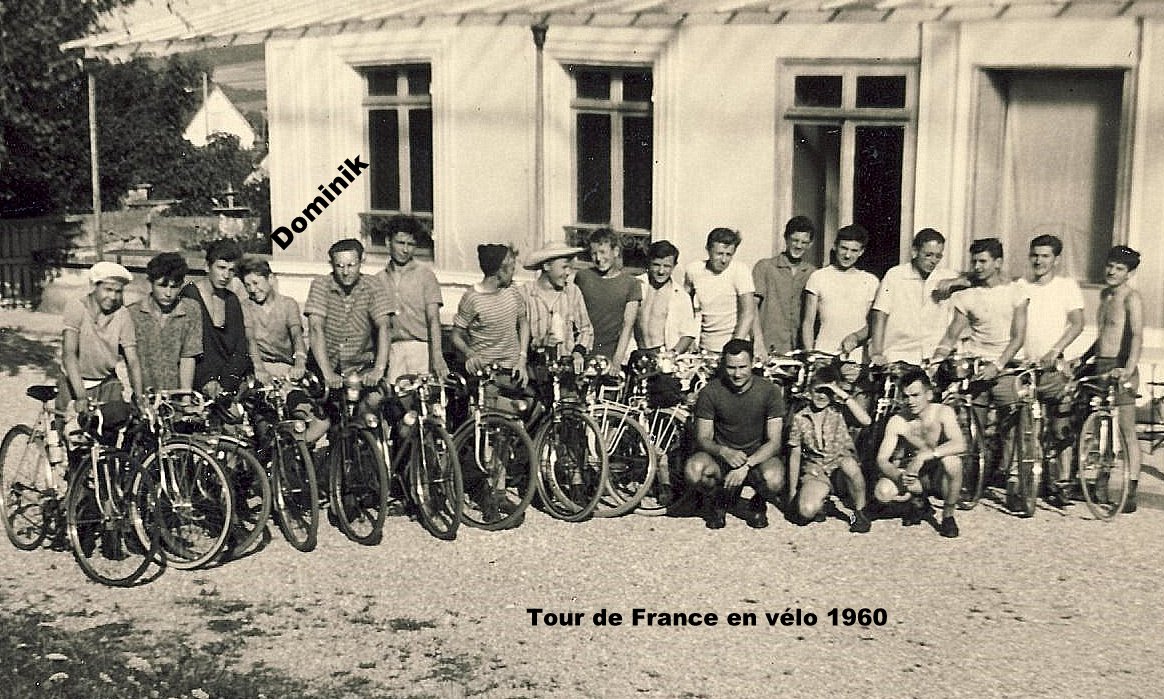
x=104, y=270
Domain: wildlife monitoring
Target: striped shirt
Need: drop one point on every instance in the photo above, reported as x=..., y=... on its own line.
x=349, y=320
x=489, y=318
x=557, y=318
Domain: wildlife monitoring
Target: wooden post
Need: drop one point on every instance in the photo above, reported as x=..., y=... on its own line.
x=94, y=164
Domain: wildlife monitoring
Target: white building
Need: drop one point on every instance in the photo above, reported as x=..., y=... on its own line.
x=668, y=118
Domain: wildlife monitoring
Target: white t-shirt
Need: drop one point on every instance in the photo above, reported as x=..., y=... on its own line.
x=1047, y=314
x=915, y=322
x=990, y=310
x=715, y=298
x=843, y=301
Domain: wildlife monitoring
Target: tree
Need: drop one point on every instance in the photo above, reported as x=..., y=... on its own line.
x=143, y=107
x=44, y=153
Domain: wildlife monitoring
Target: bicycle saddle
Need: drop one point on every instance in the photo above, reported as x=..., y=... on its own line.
x=41, y=393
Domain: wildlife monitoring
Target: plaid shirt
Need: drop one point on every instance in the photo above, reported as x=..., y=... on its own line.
x=557, y=318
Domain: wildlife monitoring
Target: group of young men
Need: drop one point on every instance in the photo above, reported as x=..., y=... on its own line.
x=210, y=334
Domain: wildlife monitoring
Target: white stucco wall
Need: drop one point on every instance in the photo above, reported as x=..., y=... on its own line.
x=717, y=125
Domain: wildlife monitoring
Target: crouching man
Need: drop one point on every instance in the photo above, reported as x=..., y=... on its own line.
x=738, y=425
x=931, y=463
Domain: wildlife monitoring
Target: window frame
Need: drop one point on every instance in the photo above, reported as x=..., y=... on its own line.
x=848, y=117
x=618, y=109
x=404, y=103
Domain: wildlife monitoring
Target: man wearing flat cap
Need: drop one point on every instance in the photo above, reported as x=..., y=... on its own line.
x=99, y=323
x=559, y=324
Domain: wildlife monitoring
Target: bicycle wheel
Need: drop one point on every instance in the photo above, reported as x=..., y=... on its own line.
x=668, y=429
x=252, y=493
x=973, y=459
x=295, y=492
x=572, y=464
x=1101, y=450
x=359, y=486
x=632, y=461
x=194, y=499
x=434, y=477
x=110, y=522
x=24, y=488
x=496, y=456
x=1026, y=464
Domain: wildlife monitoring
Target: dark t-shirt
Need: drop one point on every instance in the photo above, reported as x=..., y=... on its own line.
x=741, y=419
x=606, y=299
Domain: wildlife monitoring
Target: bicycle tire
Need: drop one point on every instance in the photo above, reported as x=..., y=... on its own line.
x=1029, y=465
x=359, y=486
x=434, y=479
x=1101, y=450
x=973, y=459
x=23, y=491
x=632, y=461
x=105, y=519
x=572, y=464
x=194, y=500
x=497, y=459
x=295, y=491
x=252, y=493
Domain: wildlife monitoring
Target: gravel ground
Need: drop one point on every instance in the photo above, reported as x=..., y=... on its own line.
x=1056, y=605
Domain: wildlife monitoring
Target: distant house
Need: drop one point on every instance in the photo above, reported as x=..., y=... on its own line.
x=666, y=118
x=219, y=115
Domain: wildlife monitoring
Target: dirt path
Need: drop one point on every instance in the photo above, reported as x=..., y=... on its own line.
x=1057, y=605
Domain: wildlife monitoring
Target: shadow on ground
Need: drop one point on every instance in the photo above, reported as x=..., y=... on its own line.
x=20, y=351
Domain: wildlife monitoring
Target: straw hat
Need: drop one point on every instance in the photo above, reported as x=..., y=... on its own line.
x=550, y=252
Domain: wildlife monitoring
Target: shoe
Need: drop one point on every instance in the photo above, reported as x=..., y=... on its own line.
x=1130, y=503
x=948, y=528
x=919, y=509
x=820, y=516
x=859, y=523
x=757, y=517
x=1056, y=497
x=717, y=519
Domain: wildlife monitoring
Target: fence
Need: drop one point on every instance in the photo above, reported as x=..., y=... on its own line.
x=31, y=253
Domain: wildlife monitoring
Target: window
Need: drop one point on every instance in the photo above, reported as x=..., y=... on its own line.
x=849, y=137
x=398, y=103
x=1047, y=160
x=613, y=147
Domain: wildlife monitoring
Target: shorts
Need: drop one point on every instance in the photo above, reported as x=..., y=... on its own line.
x=407, y=357
x=822, y=471
x=1124, y=396
x=930, y=475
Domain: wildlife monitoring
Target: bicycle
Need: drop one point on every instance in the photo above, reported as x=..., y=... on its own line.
x=357, y=474
x=496, y=455
x=111, y=507
x=422, y=455
x=193, y=493
x=1101, y=447
x=571, y=455
x=281, y=446
x=229, y=436
x=33, y=464
x=1026, y=453
x=633, y=460
x=957, y=373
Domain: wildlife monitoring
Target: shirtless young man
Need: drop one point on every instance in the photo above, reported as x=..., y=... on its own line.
x=933, y=443
x=1117, y=349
